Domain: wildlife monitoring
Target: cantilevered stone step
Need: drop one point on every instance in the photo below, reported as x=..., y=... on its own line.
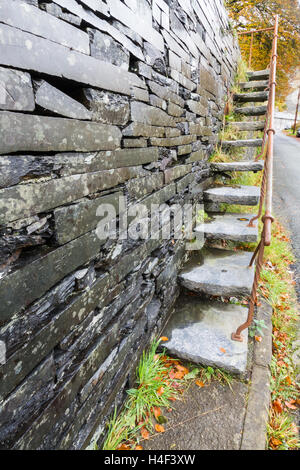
x=242, y=143
x=256, y=97
x=248, y=125
x=252, y=110
x=244, y=195
x=201, y=332
x=219, y=273
x=255, y=84
x=228, y=226
x=259, y=75
x=238, y=166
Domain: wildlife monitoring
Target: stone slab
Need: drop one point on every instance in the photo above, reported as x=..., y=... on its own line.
x=200, y=331
x=33, y=20
x=219, y=272
x=259, y=75
x=251, y=110
x=244, y=195
x=106, y=107
x=29, y=52
x=238, y=166
x=248, y=126
x=258, y=84
x=255, y=97
x=23, y=132
x=233, y=227
x=16, y=93
x=52, y=99
x=242, y=143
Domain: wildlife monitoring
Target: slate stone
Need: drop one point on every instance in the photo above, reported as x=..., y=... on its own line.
x=155, y=58
x=135, y=143
x=219, y=273
x=105, y=107
x=16, y=93
x=138, y=24
x=78, y=163
x=229, y=226
x=165, y=93
x=105, y=48
x=16, y=168
x=238, y=166
x=207, y=80
x=176, y=172
x=251, y=110
x=26, y=51
x=242, y=143
x=24, y=132
x=32, y=20
x=200, y=331
x=57, y=11
x=52, y=99
x=140, y=187
x=249, y=125
x=175, y=110
x=29, y=199
x=150, y=116
x=258, y=84
x=140, y=94
x=259, y=75
x=75, y=220
x=172, y=141
x=255, y=97
x=25, y=401
x=137, y=129
x=196, y=108
x=244, y=195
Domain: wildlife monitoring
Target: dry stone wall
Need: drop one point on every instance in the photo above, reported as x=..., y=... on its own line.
x=98, y=99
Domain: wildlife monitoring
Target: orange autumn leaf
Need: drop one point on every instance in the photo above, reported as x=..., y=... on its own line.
x=160, y=391
x=288, y=380
x=290, y=406
x=164, y=338
x=182, y=369
x=145, y=434
x=258, y=339
x=275, y=443
x=123, y=447
x=223, y=350
x=172, y=398
x=277, y=405
x=159, y=428
x=157, y=412
x=138, y=448
x=199, y=383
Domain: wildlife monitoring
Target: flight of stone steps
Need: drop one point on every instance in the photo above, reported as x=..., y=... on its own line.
x=201, y=325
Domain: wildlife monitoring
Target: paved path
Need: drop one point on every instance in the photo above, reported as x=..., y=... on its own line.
x=287, y=191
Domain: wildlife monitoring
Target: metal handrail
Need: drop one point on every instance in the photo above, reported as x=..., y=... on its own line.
x=266, y=197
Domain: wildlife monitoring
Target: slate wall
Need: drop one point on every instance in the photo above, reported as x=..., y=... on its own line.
x=98, y=99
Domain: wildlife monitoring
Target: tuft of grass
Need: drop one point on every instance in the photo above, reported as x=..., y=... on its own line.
x=282, y=433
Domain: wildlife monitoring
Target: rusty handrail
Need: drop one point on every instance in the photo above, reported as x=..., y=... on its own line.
x=266, y=191
x=252, y=32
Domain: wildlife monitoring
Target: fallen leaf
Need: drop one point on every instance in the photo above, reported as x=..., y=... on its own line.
x=277, y=405
x=164, y=338
x=157, y=412
x=160, y=391
x=288, y=380
x=223, y=350
x=145, y=434
x=275, y=442
x=138, y=448
x=199, y=383
x=172, y=398
x=290, y=406
x=182, y=369
x=258, y=339
x=123, y=447
x=159, y=428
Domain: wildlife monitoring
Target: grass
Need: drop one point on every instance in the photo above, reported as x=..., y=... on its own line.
x=160, y=381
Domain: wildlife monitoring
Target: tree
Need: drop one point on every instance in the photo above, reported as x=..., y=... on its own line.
x=248, y=15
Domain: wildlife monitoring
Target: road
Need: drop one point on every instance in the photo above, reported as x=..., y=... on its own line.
x=287, y=191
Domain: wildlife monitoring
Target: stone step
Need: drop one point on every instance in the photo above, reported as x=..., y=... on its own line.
x=242, y=143
x=255, y=97
x=244, y=195
x=259, y=75
x=251, y=110
x=257, y=84
x=200, y=332
x=248, y=125
x=219, y=273
x=228, y=226
x=238, y=166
